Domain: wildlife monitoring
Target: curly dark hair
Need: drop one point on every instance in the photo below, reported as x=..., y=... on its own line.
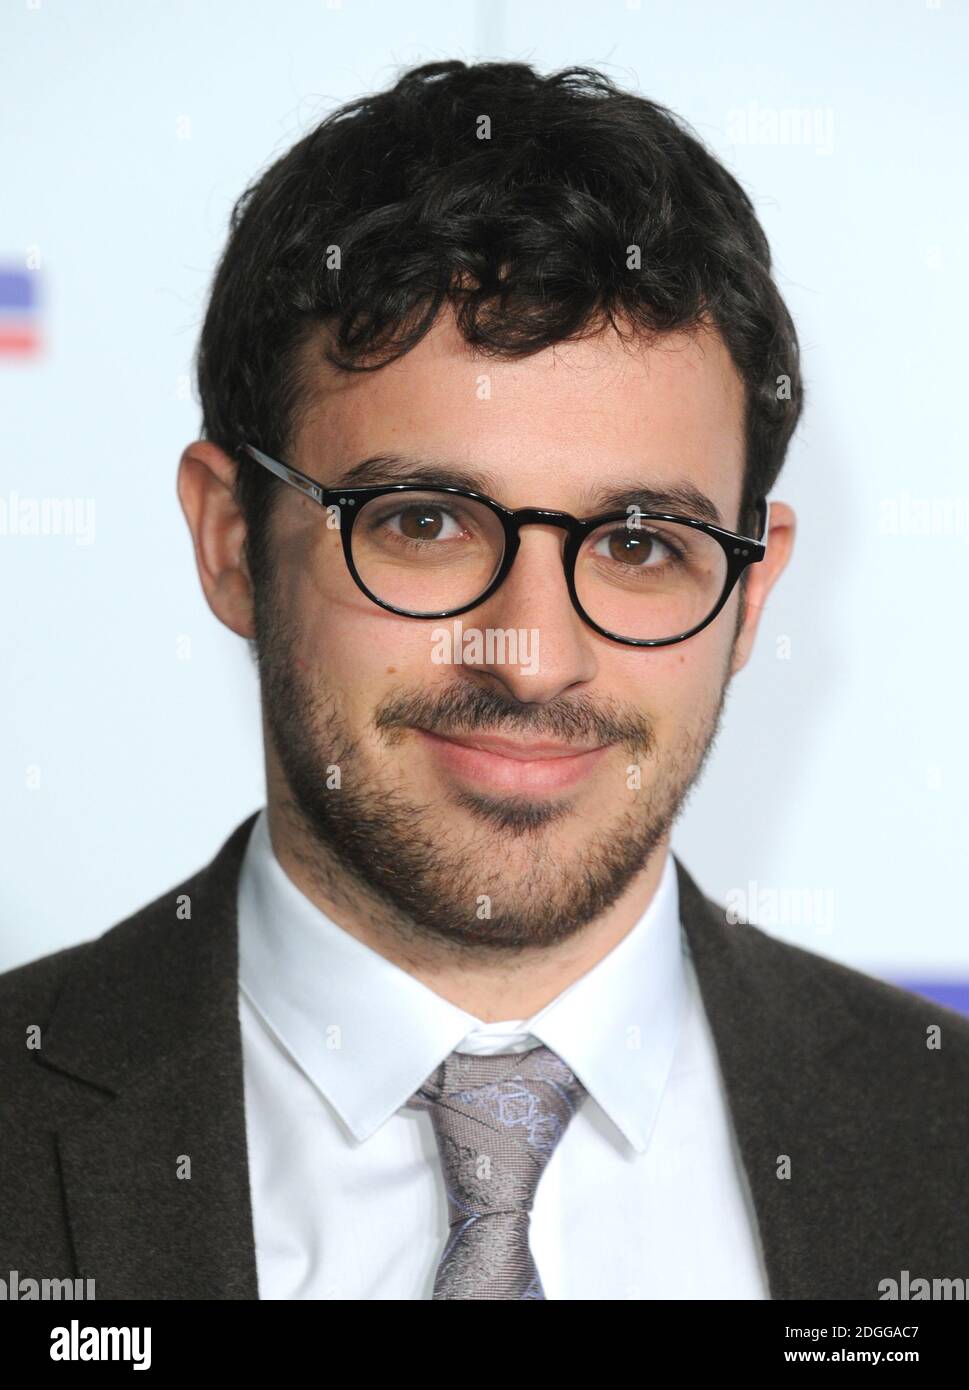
x=526, y=234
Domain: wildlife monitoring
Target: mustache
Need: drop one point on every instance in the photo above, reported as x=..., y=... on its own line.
x=468, y=709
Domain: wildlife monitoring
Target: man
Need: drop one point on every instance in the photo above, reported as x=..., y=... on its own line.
x=495, y=383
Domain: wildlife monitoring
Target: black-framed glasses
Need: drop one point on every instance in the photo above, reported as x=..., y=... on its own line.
x=643, y=578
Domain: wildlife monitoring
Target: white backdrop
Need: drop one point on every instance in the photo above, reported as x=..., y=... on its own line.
x=835, y=803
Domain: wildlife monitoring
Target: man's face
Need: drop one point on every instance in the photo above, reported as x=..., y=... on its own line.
x=467, y=844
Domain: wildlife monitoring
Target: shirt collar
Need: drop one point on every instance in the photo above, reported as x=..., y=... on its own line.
x=367, y=1033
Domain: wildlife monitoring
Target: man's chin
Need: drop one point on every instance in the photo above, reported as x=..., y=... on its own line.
x=544, y=866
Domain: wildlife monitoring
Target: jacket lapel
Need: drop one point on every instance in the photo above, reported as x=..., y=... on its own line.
x=776, y=1024
x=154, y=1164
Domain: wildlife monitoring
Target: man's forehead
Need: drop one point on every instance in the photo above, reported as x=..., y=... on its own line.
x=695, y=355
x=603, y=410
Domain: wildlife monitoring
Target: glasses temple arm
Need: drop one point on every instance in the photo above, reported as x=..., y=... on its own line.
x=289, y=475
x=763, y=513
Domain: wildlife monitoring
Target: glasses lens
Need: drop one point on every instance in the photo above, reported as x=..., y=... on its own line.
x=649, y=580
x=426, y=552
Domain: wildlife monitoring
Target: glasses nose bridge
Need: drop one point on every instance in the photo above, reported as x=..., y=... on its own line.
x=541, y=516
x=544, y=516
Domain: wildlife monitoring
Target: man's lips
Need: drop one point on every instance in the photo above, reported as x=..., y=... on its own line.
x=511, y=765
x=513, y=748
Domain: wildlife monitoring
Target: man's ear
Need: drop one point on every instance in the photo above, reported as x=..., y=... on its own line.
x=206, y=482
x=762, y=578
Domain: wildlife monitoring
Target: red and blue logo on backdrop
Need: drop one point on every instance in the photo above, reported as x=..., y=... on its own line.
x=19, y=316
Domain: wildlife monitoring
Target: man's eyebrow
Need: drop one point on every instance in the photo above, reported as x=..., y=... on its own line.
x=680, y=498
x=392, y=468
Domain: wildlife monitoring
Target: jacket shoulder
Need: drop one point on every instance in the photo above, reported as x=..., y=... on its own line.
x=869, y=999
x=29, y=993
x=124, y=945
x=807, y=993
x=38, y=980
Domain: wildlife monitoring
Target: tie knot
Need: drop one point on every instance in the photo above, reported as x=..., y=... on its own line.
x=508, y=1107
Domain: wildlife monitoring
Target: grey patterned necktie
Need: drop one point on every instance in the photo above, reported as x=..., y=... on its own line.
x=497, y=1120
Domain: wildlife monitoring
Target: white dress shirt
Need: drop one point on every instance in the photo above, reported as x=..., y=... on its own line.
x=645, y=1196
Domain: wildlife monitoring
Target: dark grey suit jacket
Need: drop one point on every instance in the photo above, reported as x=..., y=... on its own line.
x=141, y=1062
